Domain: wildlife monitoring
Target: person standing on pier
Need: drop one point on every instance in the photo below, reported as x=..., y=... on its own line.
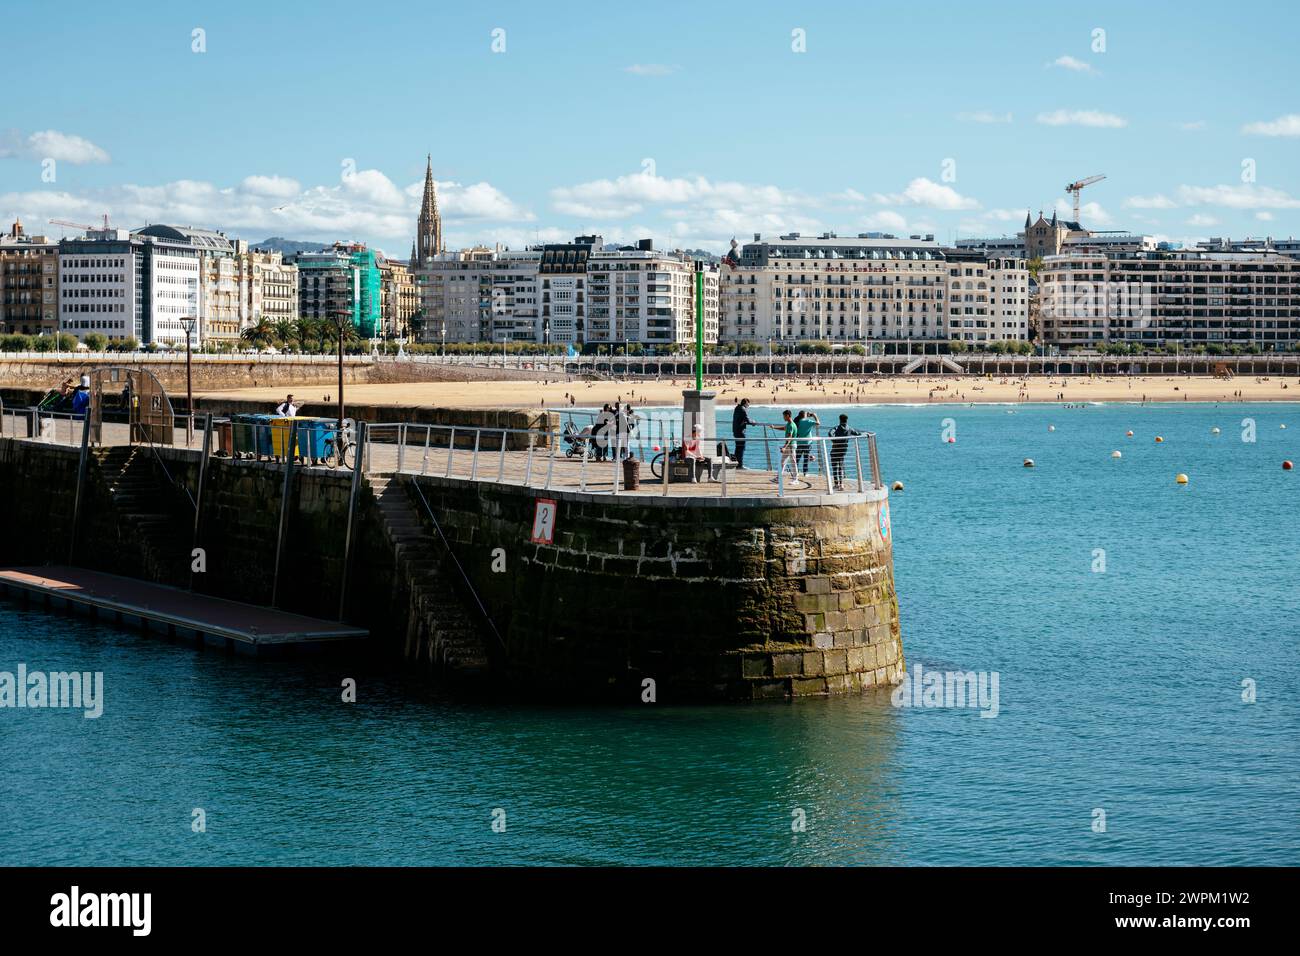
x=804, y=423
x=839, y=448
x=740, y=420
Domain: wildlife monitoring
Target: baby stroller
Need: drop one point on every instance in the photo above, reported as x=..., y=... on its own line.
x=576, y=442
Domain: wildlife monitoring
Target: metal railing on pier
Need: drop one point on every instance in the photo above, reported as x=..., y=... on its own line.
x=587, y=458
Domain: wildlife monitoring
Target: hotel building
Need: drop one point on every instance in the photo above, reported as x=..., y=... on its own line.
x=1171, y=298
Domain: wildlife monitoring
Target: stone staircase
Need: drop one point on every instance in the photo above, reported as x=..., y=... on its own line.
x=440, y=629
x=945, y=363
x=140, y=500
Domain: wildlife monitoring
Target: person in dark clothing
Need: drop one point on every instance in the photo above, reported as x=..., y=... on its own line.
x=839, y=448
x=740, y=420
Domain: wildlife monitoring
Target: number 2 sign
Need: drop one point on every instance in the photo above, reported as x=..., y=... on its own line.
x=544, y=522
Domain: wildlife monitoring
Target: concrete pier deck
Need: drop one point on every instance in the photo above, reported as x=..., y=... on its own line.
x=171, y=610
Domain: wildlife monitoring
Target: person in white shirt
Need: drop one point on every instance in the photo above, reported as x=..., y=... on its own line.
x=288, y=408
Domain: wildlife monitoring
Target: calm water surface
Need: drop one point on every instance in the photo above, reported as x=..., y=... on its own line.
x=1119, y=691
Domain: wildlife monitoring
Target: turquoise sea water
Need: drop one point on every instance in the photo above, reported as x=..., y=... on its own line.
x=1119, y=691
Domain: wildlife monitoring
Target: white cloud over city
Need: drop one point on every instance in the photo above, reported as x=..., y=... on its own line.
x=50, y=144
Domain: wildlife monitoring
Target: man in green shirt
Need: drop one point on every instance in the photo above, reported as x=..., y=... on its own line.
x=804, y=423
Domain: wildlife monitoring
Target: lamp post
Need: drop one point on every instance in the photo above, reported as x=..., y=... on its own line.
x=188, y=322
x=341, y=318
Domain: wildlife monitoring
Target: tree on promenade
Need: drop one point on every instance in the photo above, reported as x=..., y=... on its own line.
x=259, y=335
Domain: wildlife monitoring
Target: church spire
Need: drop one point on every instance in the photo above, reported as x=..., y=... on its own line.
x=428, y=236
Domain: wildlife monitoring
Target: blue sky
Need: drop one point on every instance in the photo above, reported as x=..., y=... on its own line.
x=686, y=122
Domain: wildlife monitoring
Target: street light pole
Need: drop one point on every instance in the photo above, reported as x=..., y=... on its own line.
x=189, y=322
x=340, y=316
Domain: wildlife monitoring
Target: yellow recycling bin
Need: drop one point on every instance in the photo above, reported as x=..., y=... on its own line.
x=280, y=437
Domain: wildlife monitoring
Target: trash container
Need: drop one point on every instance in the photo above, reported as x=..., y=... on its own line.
x=242, y=442
x=225, y=445
x=280, y=431
x=631, y=473
x=262, y=434
x=312, y=434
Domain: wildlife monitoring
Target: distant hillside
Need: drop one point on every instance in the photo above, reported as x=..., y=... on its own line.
x=290, y=247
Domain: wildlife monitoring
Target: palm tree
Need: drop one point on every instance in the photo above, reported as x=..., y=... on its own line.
x=259, y=334
x=304, y=330
x=284, y=330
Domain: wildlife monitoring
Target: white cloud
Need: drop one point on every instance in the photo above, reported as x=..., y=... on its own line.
x=1288, y=125
x=926, y=192
x=1092, y=118
x=984, y=116
x=365, y=204
x=1158, y=201
x=1070, y=63
x=1090, y=213
x=885, y=221
x=651, y=69
x=276, y=187
x=50, y=144
x=1200, y=219
x=1263, y=216
x=1192, y=126
x=1245, y=196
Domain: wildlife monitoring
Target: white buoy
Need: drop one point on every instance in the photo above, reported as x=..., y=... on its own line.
x=1029, y=463
x=1116, y=454
x=1051, y=428
x=1214, y=431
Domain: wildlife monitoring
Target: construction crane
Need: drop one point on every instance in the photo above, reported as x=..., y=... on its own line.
x=80, y=225
x=1077, y=188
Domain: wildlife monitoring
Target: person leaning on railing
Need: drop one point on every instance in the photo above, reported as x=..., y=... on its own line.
x=840, y=448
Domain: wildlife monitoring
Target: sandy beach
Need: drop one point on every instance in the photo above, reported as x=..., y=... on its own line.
x=790, y=391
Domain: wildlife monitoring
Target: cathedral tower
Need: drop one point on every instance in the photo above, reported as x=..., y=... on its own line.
x=428, y=235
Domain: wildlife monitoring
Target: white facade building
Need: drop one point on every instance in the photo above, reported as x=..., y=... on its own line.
x=1172, y=299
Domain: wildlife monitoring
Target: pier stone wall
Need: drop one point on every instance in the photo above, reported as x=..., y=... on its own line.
x=707, y=598
x=717, y=598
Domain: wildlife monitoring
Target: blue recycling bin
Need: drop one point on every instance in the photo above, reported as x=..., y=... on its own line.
x=312, y=435
x=262, y=434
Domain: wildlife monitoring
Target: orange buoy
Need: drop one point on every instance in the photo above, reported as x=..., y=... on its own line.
x=1181, y=479
x=952, y=441
x=1159, y=439
x=1128, y=434
x=1287, y=466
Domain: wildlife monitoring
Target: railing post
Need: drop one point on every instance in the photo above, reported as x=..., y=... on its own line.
x=473, y=465
x=528, y=467
x=767, y=452
x=857, y=457
x=284, y=511
x=826, y=466
x=501, y=463
x=81, y=481
x=667, y=457
x=724, y=471
x=424, y=465
x=451, y=450
x=362, y=440
x=401, y=445
x=550, y=467
x=198, y=493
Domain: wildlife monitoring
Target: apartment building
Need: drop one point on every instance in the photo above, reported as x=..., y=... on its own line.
x=29, y=283
x=398, y=297
x=638, y=294
x=1172, y=298
x=478, y=295
x=988, y=298
x=834, y=289
x=130, y=285
x=268, y=286
x=343, y=280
